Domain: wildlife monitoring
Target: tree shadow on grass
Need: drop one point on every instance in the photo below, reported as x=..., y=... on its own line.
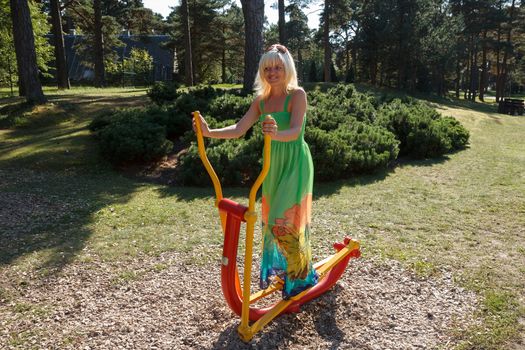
x=321, y=189
x=47, y=208
x=188, y=194
x=22, y=117
x=326, y=189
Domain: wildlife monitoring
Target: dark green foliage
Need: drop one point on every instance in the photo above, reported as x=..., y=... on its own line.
x=100, y=121
x=344, y=98
x=348, y=133
x=350, y=75
x=229, y=106
x=456, y=132
x=350, y=149
x=133, y=139
x=312, y=72
x=196, y=99
x=236, y=162
x=163, y=92
x=421, y=130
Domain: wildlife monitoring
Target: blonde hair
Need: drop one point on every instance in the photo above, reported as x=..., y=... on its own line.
x=276, y=54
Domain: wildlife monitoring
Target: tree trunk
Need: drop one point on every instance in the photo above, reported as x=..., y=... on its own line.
x=24, y=41
x=458, y=75
x=354, y=62
x=223, y=66
x=100, y=74
x=503, y=79
x=474, y=79
x=466, y=76
x=326, y=42
x=188, y=59
x=483, y=77
x=373, y=71
x=282, y=22
x=60, y=54
x=10, y=71
x=253, y=12
x=347, y=51
x=498, y=66
x=400, y=43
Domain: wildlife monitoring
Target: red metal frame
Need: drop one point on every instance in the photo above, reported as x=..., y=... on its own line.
x=231, y=286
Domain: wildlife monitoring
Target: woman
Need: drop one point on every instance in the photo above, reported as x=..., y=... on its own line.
x=287, y=189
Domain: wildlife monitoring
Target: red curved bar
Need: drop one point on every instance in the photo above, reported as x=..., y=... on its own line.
x=231, y=286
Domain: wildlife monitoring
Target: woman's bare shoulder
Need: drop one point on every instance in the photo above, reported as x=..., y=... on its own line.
x=257, y=102
x=298, y=95
x=298, y=92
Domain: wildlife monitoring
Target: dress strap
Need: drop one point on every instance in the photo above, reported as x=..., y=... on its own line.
x=261, y=105
x=286, y=101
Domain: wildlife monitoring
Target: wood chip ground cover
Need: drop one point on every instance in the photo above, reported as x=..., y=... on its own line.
x=163, y=303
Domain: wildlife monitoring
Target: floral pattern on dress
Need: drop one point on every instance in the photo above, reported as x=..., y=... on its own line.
x=290, y=233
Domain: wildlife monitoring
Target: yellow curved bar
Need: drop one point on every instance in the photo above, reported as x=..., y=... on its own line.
x=262, y=175
x=207, y=165
x=245, y=331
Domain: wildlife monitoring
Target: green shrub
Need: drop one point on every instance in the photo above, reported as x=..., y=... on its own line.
x=348, y=133
x=163, y=92
x=421, y=130
x=351, y=149
x=100, y=121
x=205, y=92
x=229, y=106
x=341, y=104
x=456, y=132
x=134, y=139
x=361, y=106
x=327, y=119
x=236, y=162
x=186, y=103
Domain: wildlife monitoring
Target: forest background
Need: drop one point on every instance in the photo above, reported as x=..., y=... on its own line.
x=467, y=48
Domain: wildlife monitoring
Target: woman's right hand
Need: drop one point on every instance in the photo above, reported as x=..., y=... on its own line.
x=204, y=126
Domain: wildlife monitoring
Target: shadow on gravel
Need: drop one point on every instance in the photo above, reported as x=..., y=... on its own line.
x=326, y=323
x=290, y=327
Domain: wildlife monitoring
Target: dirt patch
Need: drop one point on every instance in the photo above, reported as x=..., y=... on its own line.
x=163, y=303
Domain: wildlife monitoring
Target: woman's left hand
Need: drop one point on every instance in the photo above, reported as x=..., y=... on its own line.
x=269, y=126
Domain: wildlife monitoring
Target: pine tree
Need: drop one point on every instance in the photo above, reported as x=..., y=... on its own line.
x=253, y=11
x=24, y=42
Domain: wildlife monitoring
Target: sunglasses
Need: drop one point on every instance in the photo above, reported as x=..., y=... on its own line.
x=278, y=47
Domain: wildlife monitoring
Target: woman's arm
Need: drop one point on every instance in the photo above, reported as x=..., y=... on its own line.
x=298, y=110
x=236, y=130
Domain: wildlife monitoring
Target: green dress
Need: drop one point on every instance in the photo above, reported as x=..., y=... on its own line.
x=286, y=212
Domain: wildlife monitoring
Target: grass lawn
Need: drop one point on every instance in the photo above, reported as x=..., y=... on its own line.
x=62, y=204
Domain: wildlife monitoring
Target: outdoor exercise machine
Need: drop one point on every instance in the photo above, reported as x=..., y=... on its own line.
x=232, y=214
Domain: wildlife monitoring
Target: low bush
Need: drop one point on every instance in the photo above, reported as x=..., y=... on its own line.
x=229, y=106
x=351, y=149
x=348, y=133
x=421, y=130
x=163, y=92
x=236, y=162
x=133, y=139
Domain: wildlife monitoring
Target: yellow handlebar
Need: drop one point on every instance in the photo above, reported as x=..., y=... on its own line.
x=204, y=158
x=250, y=216
x=215, y=178
x=266, y=167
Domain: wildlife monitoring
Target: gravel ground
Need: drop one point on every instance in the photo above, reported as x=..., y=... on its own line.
x=163, y=303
